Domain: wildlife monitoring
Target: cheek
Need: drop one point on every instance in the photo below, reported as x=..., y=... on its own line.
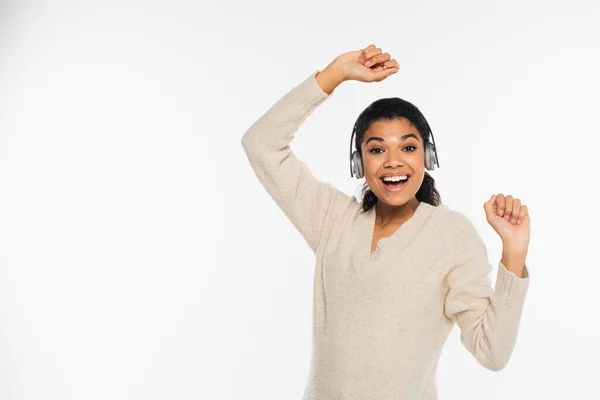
x=371, y=166
x=416, y=160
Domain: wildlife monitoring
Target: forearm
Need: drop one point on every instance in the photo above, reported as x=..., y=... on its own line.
x=513, y=260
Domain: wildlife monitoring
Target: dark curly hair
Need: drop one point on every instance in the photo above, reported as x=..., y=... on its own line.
x=388, y=109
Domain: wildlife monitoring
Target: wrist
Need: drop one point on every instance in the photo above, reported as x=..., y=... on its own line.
x=330, y=78
x=515, y=255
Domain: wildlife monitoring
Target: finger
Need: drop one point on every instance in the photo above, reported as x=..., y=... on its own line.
x=384, y=73
x=363, y=55
x=515, y=212
x=523, y=213
x=385, y=65
x=378, y=59
x=371, y=52
x=377, y=67
x=508, y=207
x=488, y=206
x=501, y=204
x=491, y=204
x=388, y=71
x=375, y=59
x=494, y=201
x=391, y=63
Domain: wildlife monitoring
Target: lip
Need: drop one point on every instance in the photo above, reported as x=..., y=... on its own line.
x=396, y=189
x=393, y=174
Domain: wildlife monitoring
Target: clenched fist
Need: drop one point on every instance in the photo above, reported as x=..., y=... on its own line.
x=510, y=219
x=367, y=65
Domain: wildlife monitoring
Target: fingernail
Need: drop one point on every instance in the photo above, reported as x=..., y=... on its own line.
x=514, y=221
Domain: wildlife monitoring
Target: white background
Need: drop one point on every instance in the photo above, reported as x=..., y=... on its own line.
x=140, y=258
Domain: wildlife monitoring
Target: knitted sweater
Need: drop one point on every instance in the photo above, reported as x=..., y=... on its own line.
x=380, y=319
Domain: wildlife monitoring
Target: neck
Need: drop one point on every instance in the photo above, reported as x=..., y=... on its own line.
x=393, y=215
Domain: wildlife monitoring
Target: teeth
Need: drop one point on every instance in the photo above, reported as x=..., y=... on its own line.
x=395, y=178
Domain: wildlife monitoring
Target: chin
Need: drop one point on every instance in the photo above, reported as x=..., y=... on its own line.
x=395, y=201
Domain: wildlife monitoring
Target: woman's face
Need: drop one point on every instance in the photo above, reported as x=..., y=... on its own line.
x=393, y=148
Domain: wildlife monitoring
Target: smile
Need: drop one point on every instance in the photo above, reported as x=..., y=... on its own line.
x=395, y=186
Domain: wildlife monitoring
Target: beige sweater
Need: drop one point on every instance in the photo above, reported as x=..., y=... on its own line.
x=380, y=319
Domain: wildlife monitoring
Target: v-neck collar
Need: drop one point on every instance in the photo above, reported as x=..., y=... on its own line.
x=401, y=236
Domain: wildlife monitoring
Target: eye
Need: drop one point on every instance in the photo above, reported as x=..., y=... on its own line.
x=372, y=151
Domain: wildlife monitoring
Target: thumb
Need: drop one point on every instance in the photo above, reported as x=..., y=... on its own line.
x=488, y=206
x=384, y=73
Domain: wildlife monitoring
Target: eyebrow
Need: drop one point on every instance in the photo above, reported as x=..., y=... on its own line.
x=403, y=137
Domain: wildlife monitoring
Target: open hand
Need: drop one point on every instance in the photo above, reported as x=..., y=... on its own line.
x=510, y=219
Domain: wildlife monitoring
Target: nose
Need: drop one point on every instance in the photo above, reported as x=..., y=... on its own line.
x=393, y=160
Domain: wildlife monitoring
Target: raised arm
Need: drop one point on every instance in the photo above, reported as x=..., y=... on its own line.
x=308, y=203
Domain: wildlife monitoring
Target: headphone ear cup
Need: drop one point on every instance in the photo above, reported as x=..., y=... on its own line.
x=361, y=173
x=430, y=158
x=357, y=165
x=434, y=157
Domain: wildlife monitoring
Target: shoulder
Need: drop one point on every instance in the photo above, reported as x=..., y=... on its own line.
x=456, y=226
x=462, y=243
x=451, y=218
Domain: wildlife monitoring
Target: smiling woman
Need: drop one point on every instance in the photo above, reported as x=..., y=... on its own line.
x=392, y=136
x=395, y=271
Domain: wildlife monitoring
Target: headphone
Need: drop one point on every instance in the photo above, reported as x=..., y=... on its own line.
x=431, y=157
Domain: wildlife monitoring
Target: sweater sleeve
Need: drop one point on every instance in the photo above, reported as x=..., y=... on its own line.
x=307, y=202
x=488, y=318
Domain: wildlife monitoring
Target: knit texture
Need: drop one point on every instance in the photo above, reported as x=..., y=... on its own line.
x=380, y=319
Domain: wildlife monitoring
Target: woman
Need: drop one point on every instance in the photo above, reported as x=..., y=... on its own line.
x=396, y=270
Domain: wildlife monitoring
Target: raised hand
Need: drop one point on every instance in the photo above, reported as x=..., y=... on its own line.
x=370, y=64
x=366, y=65
x=510, y=219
